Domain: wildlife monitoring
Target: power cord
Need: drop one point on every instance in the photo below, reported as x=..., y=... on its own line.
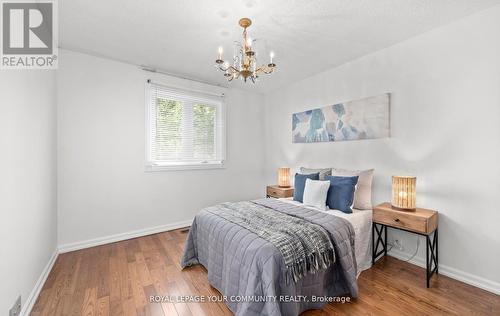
x=416, y=250
x=391, y=245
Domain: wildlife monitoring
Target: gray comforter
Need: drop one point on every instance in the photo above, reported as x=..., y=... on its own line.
x=251, y=271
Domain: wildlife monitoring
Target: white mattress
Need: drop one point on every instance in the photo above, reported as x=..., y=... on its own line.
x=361, y=221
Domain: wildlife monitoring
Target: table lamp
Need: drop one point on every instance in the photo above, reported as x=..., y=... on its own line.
x=284, y=177
x=404, y=193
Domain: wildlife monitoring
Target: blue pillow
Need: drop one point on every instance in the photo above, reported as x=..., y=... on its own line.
x=341, y=193
x=300, y=184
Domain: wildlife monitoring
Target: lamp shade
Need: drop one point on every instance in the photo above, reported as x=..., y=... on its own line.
x=404, y=193
x=284, y=177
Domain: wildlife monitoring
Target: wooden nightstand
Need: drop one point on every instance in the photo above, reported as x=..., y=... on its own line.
x=275, y=191
x=420, y=221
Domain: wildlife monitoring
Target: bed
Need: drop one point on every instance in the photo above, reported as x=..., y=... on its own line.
x=250, y=272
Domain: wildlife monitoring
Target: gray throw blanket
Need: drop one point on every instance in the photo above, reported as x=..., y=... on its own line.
x=306, y=247
x=241, y=264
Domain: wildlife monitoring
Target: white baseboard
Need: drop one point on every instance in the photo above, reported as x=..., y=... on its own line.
x=453, y=273
x=31, y=299
x=123, y=236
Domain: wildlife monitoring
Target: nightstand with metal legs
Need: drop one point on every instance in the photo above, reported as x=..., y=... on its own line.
x=419, y=221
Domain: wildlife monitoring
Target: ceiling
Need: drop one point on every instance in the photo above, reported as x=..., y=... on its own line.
x=181, y=37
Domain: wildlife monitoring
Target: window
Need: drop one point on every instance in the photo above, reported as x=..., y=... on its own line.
x=185, y=129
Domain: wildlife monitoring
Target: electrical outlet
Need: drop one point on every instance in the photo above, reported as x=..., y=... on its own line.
x=16, y=309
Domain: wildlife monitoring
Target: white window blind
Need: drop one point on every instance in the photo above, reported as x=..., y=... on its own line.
x=185, y=129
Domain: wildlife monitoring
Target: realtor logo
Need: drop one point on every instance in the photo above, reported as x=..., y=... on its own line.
x=29, y=34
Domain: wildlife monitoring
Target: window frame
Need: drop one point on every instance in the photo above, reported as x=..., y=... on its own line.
x=151, y=165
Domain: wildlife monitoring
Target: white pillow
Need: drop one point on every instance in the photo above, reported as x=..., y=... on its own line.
x=315, y=193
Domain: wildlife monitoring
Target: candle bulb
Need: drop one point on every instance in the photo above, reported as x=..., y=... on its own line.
x=219, y=60
x=249, y=42
x=271, y=63
x=220, y=52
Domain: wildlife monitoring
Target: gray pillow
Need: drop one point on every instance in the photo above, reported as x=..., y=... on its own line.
x=322, y=172
x=363, y=193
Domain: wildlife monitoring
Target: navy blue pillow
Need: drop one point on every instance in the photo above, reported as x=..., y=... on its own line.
x=341, y=193
x=300, y=184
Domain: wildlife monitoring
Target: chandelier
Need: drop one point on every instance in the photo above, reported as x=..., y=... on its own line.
x=244, y=63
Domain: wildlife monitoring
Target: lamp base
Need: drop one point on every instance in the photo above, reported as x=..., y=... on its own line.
x=403, y=209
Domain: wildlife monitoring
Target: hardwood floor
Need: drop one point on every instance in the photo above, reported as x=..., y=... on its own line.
x=118, y=278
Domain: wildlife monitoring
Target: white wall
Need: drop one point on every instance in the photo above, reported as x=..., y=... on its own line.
x=103, y=189
x=28, y=232
x=445, y=116
x=445, y=129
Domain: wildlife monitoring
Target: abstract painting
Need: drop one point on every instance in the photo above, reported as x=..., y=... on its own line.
x=361, y=119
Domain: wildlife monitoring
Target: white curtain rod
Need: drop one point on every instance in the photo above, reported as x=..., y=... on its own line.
x=154, y=70
x=221, y=95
